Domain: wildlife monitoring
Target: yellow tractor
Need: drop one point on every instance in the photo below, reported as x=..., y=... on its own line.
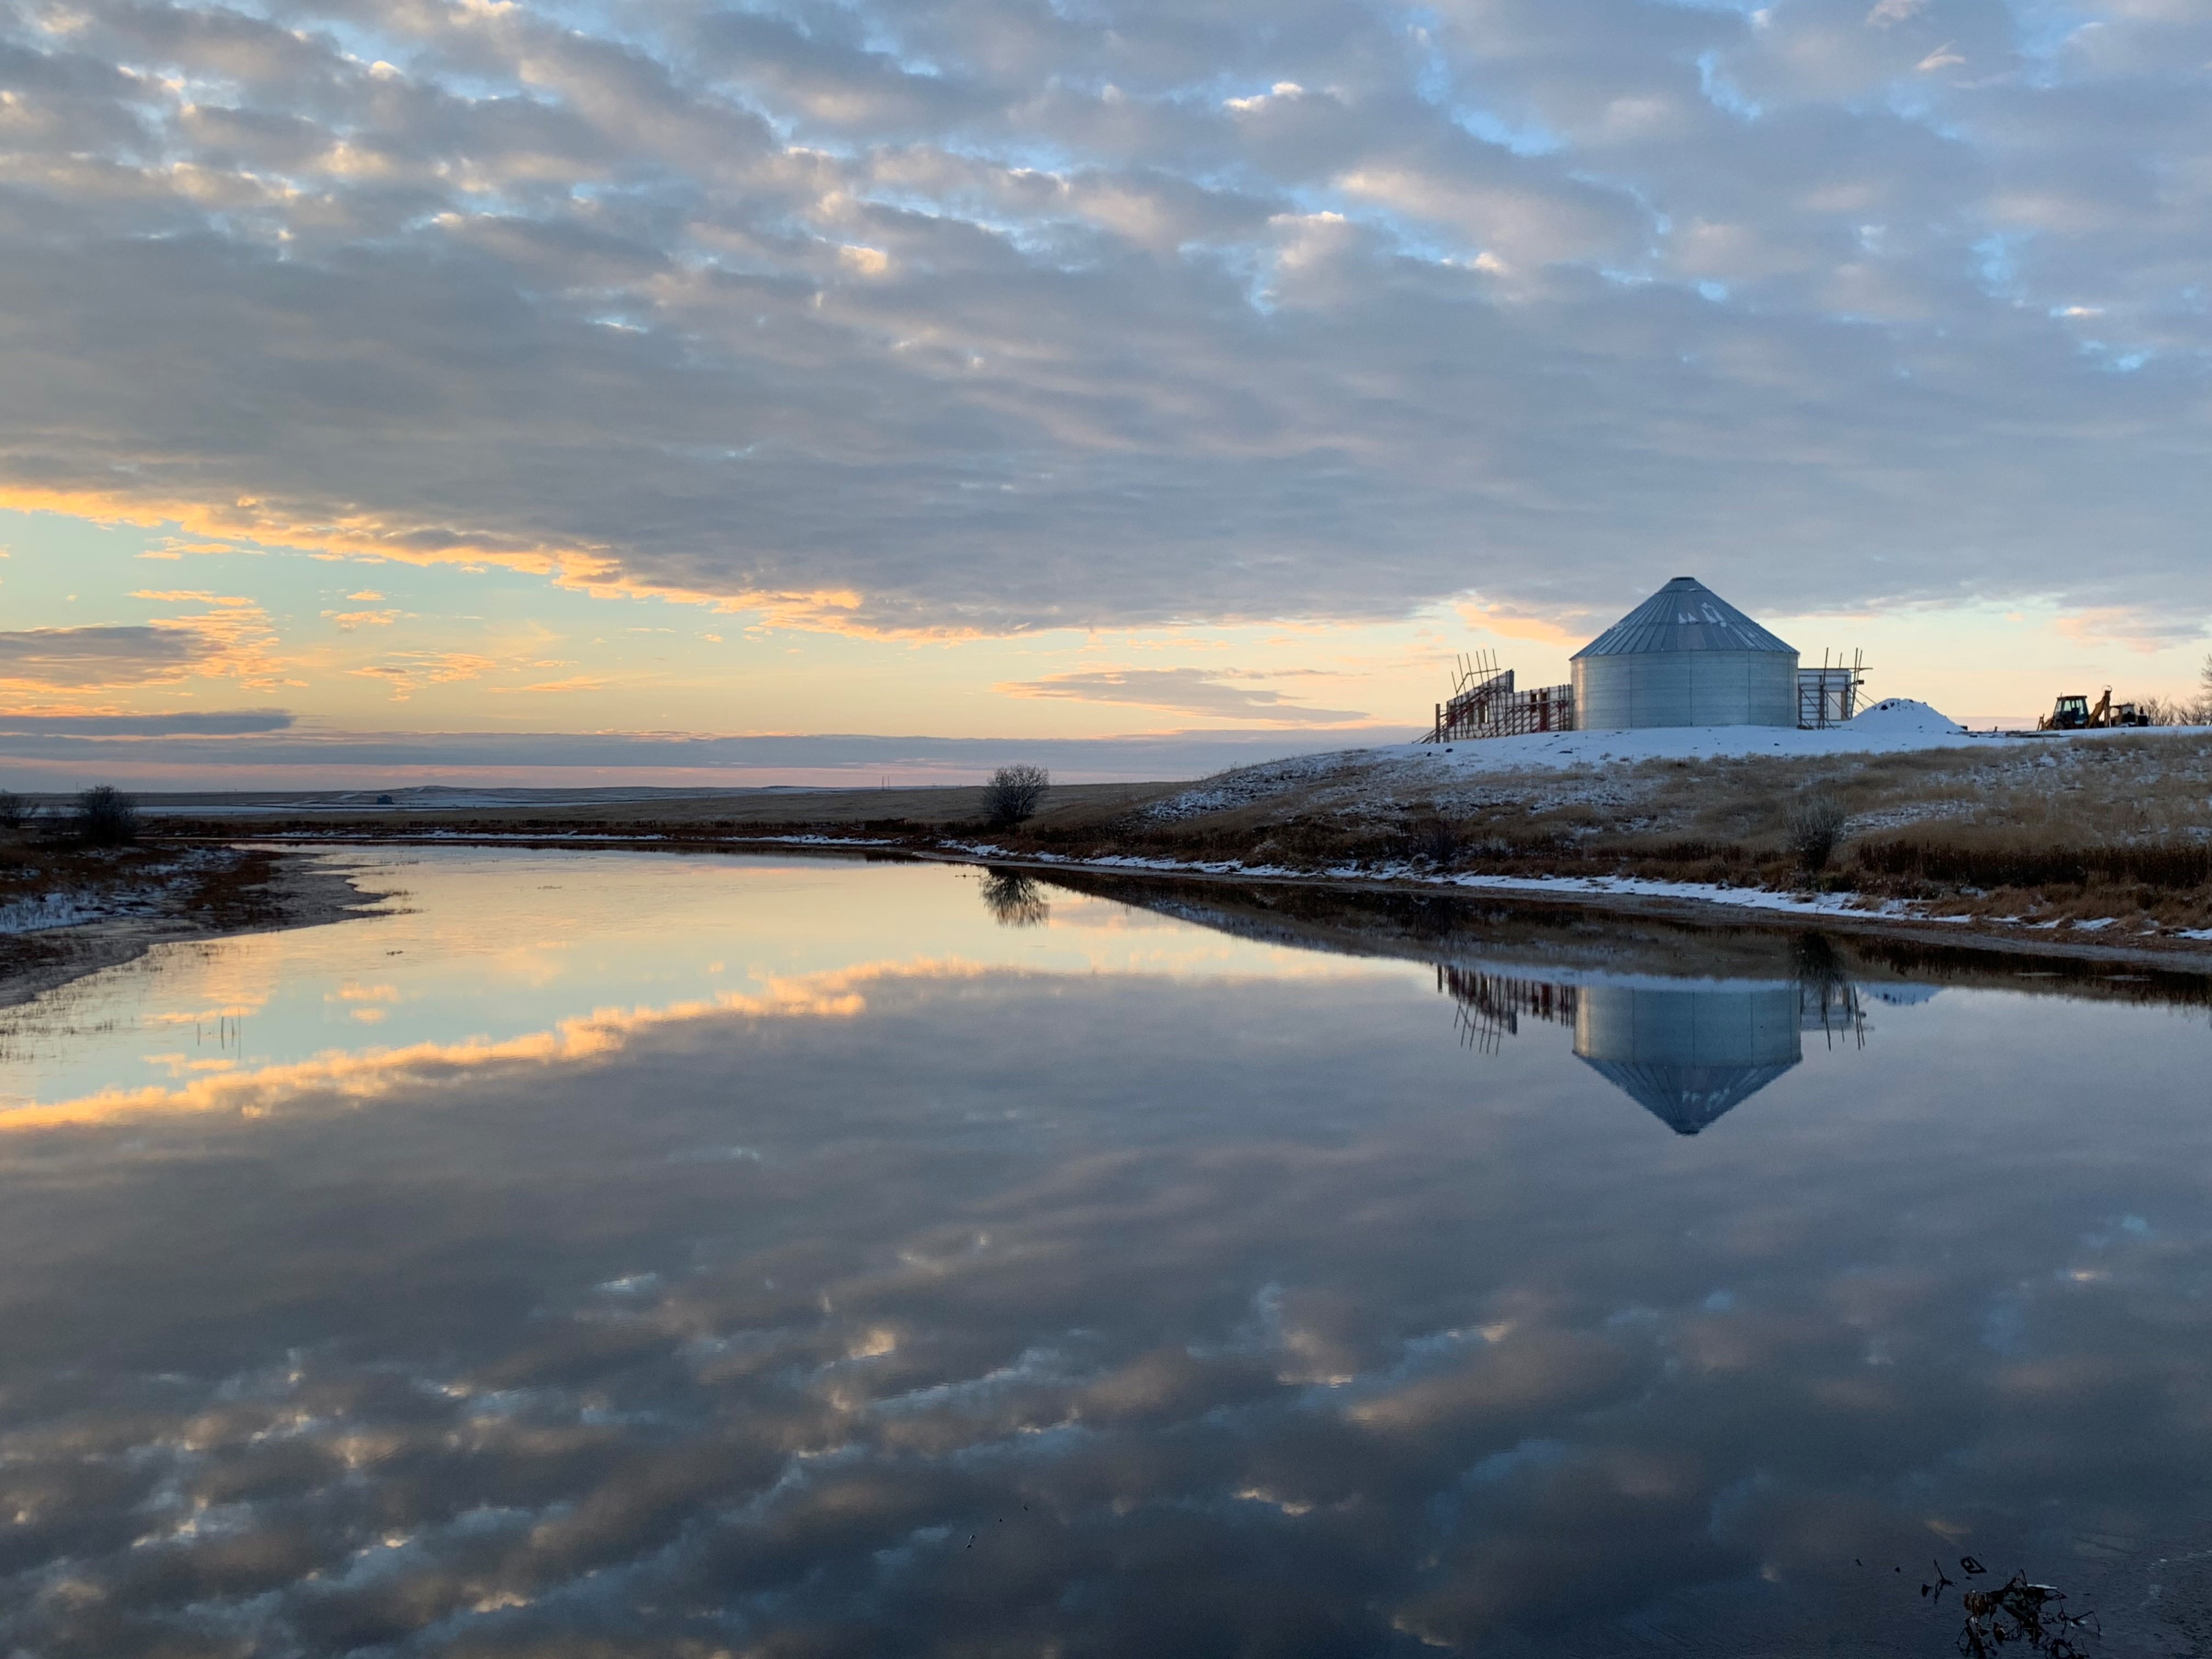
x=2074, y=713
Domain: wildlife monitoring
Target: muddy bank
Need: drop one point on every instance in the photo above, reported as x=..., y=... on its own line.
x=113, y=908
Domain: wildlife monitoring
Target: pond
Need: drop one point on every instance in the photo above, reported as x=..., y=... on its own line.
x=608, y=1254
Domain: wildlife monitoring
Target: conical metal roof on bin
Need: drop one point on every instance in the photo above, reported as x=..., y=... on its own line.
x=1686, y=1098
x=1684, y=615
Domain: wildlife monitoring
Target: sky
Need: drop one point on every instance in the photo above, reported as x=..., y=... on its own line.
x=397, y=392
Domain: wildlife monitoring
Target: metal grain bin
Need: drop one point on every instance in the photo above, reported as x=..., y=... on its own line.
x=1689, y=1055
x=1684, y=657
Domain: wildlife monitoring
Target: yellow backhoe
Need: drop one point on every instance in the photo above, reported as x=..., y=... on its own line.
x=2074, y=713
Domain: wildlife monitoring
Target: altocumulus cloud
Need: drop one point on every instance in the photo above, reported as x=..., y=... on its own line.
x=99, y=655
x=990, y=316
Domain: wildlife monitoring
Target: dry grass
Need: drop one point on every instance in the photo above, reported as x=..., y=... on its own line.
x=2040, y=829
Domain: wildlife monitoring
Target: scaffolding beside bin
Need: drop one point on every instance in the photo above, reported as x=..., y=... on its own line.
x=1484, y=704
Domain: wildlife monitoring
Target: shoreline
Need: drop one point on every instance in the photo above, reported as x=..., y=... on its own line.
x=2192, y=957
x=298, y=893
x=1763, y=908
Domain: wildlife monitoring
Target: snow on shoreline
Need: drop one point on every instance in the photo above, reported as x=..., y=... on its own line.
x=70, y=910
x=81, y=907
x=1763, y=899
x=1747, y=898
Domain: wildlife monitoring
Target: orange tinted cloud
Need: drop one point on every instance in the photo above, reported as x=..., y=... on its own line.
x=2147, y=629
x=359, y=1078
x=1513, y=625
x=595, y=571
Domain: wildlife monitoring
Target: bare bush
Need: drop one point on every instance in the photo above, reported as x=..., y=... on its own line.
x=105, y=817
x=1813, y=826
x=11, y=812
x=1013, y=795
x=1435, y=840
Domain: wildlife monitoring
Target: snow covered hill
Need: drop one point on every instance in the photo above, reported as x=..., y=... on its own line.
x=1888, y=726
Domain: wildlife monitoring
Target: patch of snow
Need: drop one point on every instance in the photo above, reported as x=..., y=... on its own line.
x=1227, y=791
x=80, y=906
x=1900, y=996
x=1747, y=898
x=75, y=910
x=1893, y=726
x=1904, y=714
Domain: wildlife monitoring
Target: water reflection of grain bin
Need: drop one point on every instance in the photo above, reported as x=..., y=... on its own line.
x=1684, y=657
x=1688, y=1055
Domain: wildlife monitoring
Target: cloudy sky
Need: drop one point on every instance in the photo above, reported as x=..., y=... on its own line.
x=591, y=390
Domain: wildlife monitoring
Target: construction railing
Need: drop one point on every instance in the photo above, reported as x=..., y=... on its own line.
x=1488, y=705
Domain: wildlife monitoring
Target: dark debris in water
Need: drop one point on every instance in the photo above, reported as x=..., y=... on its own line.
x=2018, y=1612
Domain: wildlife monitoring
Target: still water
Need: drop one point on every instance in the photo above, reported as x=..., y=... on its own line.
x=607, y=1255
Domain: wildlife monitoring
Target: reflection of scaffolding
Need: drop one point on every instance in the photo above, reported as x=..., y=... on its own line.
x=1490, y=1005
x=1831, y=1005
x=1829, y=694
x=1688, y=1051
x=1484, y=704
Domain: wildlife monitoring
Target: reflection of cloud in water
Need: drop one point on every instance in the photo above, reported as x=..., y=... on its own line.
x=638, y=929
x=1239, y=1322
x=368, y=1073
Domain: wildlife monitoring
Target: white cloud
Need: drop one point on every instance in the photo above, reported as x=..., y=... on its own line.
x=930, y=318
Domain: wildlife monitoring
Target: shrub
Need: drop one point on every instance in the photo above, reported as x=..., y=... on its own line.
x=1435, y=840
x=11, y=812
x=1812, y=828
x=105, y=817
x=1013, y=795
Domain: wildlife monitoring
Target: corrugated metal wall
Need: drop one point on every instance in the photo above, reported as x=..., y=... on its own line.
x=1686, y=688
x=1753, y=1026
